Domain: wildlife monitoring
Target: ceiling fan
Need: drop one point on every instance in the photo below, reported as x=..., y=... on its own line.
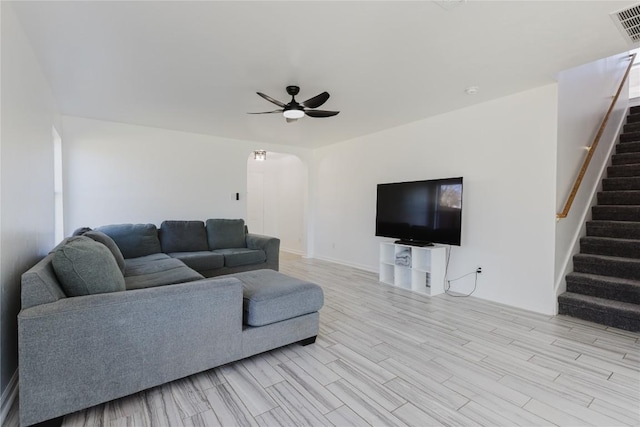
x=295, y=110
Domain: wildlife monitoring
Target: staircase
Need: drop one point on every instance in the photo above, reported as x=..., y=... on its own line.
x=605, y=284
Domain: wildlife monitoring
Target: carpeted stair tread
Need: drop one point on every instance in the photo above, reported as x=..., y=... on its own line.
x=628, y=147
x=621, y=183
x=608, y=246
x=623, y=170
x=619, y=197
x=634, y=109
x=630, y=136
x=615, y=229
x=625, y=159
x=614, y=288
x=603, y=265
x=618, y=314
x=616, y=212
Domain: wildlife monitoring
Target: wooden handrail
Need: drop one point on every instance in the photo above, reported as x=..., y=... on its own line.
x=592, y=148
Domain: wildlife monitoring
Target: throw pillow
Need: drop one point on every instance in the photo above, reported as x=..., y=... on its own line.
x=85, y=267
x=100, y=237
x=226, y=233
x=183, y=236
x=80, y=231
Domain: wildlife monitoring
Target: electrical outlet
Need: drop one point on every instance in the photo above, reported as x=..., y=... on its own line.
x=478, y=270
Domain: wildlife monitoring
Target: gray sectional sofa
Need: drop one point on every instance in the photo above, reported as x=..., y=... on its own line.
x=123, y=308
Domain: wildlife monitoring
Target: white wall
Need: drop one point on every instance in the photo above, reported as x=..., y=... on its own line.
x=26, y=176
x=283, y=196
x=505, y=150
x=584, y=96
x=118, y=173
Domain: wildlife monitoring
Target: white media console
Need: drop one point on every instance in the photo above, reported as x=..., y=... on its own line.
x=424, y=273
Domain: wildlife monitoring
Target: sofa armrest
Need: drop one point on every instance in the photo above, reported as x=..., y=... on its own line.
x=270, y=246
x=78, y=352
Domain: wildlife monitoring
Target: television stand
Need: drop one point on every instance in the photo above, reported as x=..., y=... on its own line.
x=413, y=243
x=415, y=268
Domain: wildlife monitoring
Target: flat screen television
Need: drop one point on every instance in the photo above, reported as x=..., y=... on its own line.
x=420, y=212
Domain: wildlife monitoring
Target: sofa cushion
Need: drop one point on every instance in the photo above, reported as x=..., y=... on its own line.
x=226, y=233
x=100, y=237
x=200, y=261
x=237, y=257
x=135, y=262
x=183, y=236
x=134, y=240
x=269, y=297
x=84, y=266
x=153, y=270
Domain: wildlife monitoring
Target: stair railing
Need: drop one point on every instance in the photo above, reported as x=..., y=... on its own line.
x=592, y=148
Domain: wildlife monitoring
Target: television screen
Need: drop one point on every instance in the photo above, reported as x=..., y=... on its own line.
x=420, y=212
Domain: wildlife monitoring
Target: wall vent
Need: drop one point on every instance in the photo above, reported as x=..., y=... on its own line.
x=628, y=22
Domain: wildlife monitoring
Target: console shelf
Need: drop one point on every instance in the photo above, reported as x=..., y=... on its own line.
x=415, y=268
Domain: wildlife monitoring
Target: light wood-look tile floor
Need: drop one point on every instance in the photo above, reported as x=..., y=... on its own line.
x=388, y=357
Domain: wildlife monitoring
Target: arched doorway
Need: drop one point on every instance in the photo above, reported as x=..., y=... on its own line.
x=276, y=199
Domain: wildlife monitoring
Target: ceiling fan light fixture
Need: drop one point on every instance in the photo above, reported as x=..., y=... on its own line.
x=293, y=114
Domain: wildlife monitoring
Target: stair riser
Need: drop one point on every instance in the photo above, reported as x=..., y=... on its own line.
x=630, y=136
x=631, y=127
x=604, y=317
x=615, y=231
x=624, y=293
x=619, y=198
x=620, y=171
x=616, y=213
x=633, y=118
x=628, y=147
x=626, y=183
x=627, y=249
x=625, y=159
x=612, y=268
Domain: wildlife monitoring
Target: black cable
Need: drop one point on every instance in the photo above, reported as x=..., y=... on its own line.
x=475, y=285
x=446, y=272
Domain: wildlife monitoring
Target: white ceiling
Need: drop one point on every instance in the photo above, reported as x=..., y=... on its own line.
x=195, y=66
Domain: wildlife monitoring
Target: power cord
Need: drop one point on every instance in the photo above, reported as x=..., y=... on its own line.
x=446, y=273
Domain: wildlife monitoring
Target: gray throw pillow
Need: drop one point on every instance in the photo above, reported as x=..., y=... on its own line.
x=100, y=237
x=84, y=266
x=183, y=236
x=226, y=233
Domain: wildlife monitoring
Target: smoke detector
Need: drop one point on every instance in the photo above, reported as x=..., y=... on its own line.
x=628, y=22
x=449, y=4
x=472, y=90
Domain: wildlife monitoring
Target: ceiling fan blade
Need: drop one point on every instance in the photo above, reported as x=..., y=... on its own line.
x=291, y=120
x=270, y=99
x=316, y=101
x=320, y=113
x=268, y=112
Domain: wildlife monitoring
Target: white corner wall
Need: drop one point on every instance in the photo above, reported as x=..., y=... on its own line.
x=28, y=115
x=119, y=173
x=506, y=151
x=584, y=96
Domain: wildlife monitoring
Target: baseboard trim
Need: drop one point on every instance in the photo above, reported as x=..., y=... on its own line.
x=9, y=396
x=348, y=264
x=293, y=251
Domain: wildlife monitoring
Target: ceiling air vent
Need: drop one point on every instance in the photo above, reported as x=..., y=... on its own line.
x=628, y=22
